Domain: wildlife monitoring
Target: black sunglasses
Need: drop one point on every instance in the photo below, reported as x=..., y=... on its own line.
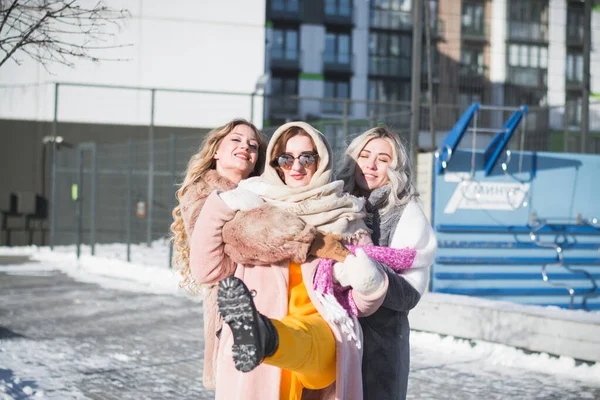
x=286, y=161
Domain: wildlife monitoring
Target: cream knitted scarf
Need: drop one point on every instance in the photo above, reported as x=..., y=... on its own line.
x=322, y=202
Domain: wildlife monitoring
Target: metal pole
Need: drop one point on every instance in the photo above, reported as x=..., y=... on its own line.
x=345, y=122
x=566, y=128
x=415, y=81
x=93, y=202
x=129, y=205
x=53, y=185
x=173, y=183
x=150, y=172
x=252, y=107
x=429, y=74
x=79, y=203
x=585, y=101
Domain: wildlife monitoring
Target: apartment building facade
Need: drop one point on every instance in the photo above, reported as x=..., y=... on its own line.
x=502, y=52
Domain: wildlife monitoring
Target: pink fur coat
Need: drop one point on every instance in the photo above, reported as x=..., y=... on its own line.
x=246, y=242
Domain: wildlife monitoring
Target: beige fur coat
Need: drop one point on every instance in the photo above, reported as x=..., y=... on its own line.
x=246, y=242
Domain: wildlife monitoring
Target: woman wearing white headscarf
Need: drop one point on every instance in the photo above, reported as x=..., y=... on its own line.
x=279, y=331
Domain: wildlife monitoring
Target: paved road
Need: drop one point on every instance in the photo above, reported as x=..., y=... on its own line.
x=62, y=339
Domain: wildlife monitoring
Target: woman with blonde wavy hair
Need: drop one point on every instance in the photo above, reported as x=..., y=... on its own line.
x=229, y=154
x=376, y=166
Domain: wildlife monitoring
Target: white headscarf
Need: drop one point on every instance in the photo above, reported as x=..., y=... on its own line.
x=322, y=202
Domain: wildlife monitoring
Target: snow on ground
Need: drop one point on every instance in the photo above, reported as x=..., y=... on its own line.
x=149, y=272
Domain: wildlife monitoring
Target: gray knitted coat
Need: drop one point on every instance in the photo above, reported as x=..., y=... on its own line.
x=386, y=358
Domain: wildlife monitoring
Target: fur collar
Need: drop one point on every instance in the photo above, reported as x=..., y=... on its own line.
x=193, y=199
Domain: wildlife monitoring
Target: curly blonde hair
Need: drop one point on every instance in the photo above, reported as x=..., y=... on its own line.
x=399, y=172
x=199, y=163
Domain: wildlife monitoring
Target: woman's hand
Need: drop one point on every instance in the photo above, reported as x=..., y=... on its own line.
x=359, y=272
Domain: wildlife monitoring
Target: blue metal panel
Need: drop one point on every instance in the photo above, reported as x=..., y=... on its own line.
x=549, y=291
x=448, y=244
x=509, y=276
x=517, y=260
x=485, y=248
x=548, y=229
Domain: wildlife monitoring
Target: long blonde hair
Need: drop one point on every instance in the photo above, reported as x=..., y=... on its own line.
x=399, y=172
x=199, y=163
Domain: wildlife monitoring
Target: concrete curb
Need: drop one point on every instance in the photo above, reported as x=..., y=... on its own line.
x=571, y=333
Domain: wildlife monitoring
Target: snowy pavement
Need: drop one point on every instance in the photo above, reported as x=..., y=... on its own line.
x=86, y=331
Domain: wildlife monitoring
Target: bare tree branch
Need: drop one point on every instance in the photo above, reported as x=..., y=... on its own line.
x=7, y=13
x=60, y=31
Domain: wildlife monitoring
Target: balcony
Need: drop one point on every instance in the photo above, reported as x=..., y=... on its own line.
x=337, y=14
x=392, y=20
x=437, y=28
x=574, y=83
x=472, y=75
x=283, y=106
x=574, y=35
x=285, y=58
x=389, y=66
x=336, y=62
x=287, y=10
x=471, y=70
x=336, y=107
x=528, y=31
x=475, y=34
x=527, y=76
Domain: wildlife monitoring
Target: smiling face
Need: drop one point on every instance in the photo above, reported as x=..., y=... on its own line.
x=237, y=153
x=372, y=165
x=299, y=175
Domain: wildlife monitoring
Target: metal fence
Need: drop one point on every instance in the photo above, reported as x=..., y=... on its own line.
x=124, y=192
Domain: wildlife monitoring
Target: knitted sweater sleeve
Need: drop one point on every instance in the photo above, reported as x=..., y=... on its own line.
x=413, y=232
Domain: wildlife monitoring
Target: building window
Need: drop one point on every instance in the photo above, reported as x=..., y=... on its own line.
x=389, y=54
x=522, y=55
x=394, y=5
x=528, y=20
x=391, y=14
x=471, y=62
x=472, y=19
x=336, y=90
x=386, y=90
x=527, y=65
x=574, y=69
x=285, y=44
x=573, y=110
x=575, y=23
x=382, y=91
x=282, y=87
x=338, y=7
x=337, y=48
x=284, y=5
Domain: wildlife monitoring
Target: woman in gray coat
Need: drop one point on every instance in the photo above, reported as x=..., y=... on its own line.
x=376, y=166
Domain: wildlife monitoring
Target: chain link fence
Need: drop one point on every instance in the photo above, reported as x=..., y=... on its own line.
x=124, y=192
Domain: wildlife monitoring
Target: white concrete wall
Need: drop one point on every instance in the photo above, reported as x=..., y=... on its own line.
x=182, y=44
x=557, y=56
x=595, y=55
x=312, y=45
x=360, y=51
x=569, y=333
x=498, y=54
